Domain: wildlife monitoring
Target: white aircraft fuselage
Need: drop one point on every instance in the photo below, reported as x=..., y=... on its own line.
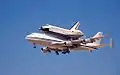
x=63, y=31
x=72, y=32
x=46, y=40
x=64, y=40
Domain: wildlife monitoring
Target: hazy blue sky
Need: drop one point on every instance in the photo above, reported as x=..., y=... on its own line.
x=19, y=17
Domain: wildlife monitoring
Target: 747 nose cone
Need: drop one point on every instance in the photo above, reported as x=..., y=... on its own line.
x=27, y=36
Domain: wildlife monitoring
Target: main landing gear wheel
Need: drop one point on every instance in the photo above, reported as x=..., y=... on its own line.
x=56, y=52
x=66, y=51
x=90, y=51
x=63, y=52
x=34, y=45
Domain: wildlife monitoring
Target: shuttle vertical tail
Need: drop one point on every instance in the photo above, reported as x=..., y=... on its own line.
x=75, y=26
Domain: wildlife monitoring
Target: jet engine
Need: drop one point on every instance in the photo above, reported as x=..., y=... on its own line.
x=45, y=50
x=68, y=43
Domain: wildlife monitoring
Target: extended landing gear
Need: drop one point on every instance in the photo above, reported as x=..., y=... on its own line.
x=66, y=51
x=57, y=53
x=90, y=51
x=34, y=45
x=48, y=50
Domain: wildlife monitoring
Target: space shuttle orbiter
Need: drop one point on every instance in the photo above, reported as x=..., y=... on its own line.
x=73, y=31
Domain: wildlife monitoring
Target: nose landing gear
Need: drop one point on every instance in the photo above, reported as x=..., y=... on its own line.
x=34, y=45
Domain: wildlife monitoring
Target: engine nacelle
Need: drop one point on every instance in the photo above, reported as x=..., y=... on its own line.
x=68, y=43
x=45, y=50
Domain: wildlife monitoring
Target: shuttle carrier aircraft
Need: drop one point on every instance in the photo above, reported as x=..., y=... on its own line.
x=60, y=40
